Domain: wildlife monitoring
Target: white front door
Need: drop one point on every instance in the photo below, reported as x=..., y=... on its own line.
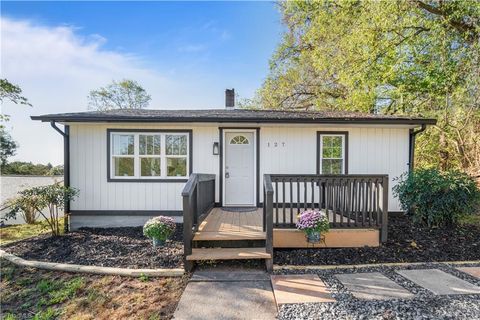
x=239, y=169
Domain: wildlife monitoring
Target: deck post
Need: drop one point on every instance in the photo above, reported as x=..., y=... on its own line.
x=189, y=195
x=268, y=202
x=384, y=229
x=187, y=232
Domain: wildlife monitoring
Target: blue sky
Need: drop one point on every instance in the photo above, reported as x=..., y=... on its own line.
x=184, y=53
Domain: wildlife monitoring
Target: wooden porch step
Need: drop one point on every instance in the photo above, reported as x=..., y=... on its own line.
x=228, y=235
x=228, y=254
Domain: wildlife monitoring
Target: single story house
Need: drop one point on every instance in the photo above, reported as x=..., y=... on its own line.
x=237, y=176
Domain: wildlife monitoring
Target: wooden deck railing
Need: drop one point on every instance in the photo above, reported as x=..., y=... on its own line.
x=350, y=201
x=268, y=218
x=198, y=199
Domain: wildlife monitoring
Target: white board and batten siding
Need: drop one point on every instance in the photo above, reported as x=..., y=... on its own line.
x=372, y=150
x=293, y=150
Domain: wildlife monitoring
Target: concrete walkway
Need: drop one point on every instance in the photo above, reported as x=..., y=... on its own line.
x=253, y=294
x=245, y=294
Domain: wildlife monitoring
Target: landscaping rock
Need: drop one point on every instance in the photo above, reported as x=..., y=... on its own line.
x=424, y=305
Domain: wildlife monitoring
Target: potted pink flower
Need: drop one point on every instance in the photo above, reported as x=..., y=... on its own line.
x=313, y=223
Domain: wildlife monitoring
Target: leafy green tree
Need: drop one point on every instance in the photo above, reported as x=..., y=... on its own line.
x=8, y=146
x=397, y=57
x=28, y=168
x=125, y=94
x=13, y=93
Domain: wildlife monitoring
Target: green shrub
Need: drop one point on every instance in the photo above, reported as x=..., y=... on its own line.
x=437, y=198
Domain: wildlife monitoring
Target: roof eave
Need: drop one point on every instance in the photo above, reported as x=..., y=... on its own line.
x=243, y=120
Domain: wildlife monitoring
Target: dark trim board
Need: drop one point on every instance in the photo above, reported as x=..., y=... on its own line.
x=66, y=162
x=171, y=213
x=345, y=133
x=66, y=166
x=411, y=146
x=257, y=134
x=173, y=180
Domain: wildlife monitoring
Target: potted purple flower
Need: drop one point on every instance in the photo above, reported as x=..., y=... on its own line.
x=159, y=229
x=313, y=223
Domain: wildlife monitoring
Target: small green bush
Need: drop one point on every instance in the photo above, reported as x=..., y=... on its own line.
x=437, y=198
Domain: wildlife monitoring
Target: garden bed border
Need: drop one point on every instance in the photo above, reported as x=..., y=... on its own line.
x=65, y=267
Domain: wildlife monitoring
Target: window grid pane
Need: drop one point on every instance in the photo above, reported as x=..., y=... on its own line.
x=149, y=144
x=124, y=166
x=177, y=167
x=150, y=167
x=123, y=144
x=176, y=145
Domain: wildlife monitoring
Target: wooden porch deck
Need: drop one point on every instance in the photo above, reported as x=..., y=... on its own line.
x=228, y=225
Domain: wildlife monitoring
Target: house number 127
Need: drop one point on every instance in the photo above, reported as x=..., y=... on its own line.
x=275, y=144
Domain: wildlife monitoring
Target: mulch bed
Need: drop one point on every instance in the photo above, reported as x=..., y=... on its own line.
x=407, y=242
x=124, y=247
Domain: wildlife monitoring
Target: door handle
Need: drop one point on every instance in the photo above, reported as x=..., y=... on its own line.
x=227, y=175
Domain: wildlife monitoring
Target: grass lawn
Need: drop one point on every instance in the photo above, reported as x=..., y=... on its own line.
x=27, y=293
x=23, y=231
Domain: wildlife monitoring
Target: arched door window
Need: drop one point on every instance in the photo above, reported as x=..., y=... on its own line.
x=239, y=140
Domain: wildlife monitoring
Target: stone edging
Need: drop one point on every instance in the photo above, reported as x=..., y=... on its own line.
x=351, y=266
x=65, y=267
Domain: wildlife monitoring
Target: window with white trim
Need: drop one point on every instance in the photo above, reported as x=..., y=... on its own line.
x=149, y=155
x=332, y=153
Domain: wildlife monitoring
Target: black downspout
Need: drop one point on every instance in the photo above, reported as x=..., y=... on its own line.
x=411, y=151
x=66, y=168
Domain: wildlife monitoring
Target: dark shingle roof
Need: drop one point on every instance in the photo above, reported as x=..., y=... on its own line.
x=234, y=115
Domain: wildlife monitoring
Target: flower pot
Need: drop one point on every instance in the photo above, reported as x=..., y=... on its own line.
x=314, y=237
x=158, y=242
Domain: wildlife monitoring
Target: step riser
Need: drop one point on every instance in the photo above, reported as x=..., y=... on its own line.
x=228, y=254
x=229, y=244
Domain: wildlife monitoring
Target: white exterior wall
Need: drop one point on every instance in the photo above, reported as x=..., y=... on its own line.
x=88, y=171
x=372, y=150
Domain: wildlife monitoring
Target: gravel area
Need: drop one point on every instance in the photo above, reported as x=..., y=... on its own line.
x=125, y=247
x=425, y=305
x=458, y=307
x=407, y=242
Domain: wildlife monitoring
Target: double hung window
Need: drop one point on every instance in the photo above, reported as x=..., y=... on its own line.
x=149, y=155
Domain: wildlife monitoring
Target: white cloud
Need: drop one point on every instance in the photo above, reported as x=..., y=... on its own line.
x=56, y=68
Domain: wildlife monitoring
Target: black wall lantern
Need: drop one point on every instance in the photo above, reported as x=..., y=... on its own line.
x=216, y=149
